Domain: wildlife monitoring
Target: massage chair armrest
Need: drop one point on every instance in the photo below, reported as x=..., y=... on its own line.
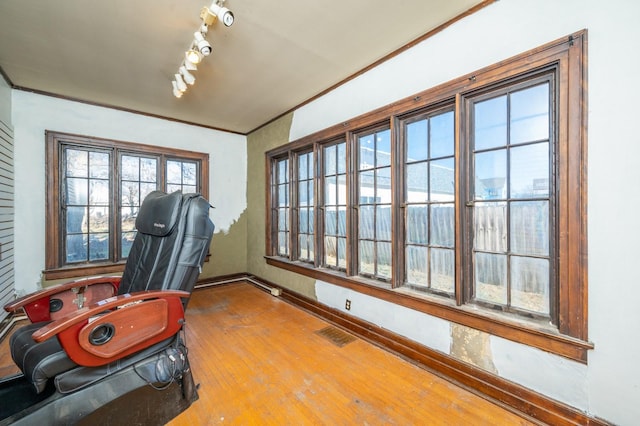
x=57, y=301
x=118, y=326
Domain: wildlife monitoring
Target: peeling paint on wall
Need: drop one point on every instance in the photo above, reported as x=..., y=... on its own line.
x=472, y=346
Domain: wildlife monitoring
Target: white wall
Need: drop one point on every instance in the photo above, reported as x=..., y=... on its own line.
x=33, y=114
x=609, y=386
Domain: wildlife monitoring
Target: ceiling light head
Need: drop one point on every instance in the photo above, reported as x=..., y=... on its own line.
x=176, y=92
x=186, y=75
x=223, y=14
x=192, y=56
x=190, y=66
x=203, y=45
x=207, y=16
x=180, y=84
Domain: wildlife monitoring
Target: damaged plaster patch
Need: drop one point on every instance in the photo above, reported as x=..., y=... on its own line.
x=472, y=346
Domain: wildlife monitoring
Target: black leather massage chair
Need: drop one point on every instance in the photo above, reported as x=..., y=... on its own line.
x=108, y=350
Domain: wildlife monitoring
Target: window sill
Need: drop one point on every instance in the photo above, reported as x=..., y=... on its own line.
x=532, y=334
x=79, y=271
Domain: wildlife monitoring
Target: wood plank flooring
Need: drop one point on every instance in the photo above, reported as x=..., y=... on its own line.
x=261, y=361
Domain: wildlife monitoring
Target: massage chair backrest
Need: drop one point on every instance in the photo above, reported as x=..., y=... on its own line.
x=173, y=238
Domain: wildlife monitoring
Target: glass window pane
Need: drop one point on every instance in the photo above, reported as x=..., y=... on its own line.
x=283, y=171
x=366, y=187
x=490, y=123
x=342, y=222
x=383, y=148
x=342, y=190
x=417, y=144
x=330, y=220
x=417, y=181
x=366, y=147
x=77, y=191
x=342, y=253
x=441, y=140
x=76, y=219
x=442, y=270
x=303, y=195
x=99, y=192
x=530, y=284
x=383, y=185
x=303, y=248
x=530, y=114
x=417, y=266
x=330, y=251
x=383, y=223
x=283, y=219
x=417, y=220
x=126, y=243
x=189, y=189
x=490, y=278
x=442, y=225
x=98, y=219
x=303, y=222
x=342, y=158
x=302, y=166
x=384, y=259
x=283, y=243
x=99, y=165
x=366, y=257
x=490, y=227
x=77, y=163
x=98, y=246
x=173, y=187
x=188, y=173
x=76, y=248
x=128, y=220
x=530, y=171
x=130, y=169
x=149, y=170
x=310, y=217
x=330, y=190
x=491, y=175
x=442, y=180
x=174, y=172
x=366, y=222
x=130, y=194
x=529, y=225
x=283, y=195
x=330, y=160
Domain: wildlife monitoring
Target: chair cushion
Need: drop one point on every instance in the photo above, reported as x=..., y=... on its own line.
x=38, y=361
x=159, y=213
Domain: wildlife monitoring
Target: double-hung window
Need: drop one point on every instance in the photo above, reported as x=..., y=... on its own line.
x=95, y=192
x=466, y=201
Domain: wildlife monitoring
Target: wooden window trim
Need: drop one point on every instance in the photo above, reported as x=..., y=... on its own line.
x=53, y=270
x=570, y=339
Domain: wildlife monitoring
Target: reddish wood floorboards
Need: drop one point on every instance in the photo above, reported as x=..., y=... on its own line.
x=260, y=361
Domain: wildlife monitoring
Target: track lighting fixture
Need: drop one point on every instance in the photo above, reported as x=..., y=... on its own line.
x=203, y=45
x=176, y=92
x=200, y=47
x=186, y=75
x=182, y=86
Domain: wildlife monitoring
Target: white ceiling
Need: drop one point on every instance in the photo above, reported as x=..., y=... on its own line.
x=277, y=55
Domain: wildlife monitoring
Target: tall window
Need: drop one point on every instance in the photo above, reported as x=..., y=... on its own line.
x=468, y=201
x=335, y=206
x=510, y=208
x=374, y=204
x=280, y=192
x=97, y=187
x=429, y=202
x=306, y=250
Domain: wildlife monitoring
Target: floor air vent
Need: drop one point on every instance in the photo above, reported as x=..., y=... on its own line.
x=336, y=336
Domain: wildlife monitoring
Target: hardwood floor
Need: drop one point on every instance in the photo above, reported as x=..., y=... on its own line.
x=261, y=361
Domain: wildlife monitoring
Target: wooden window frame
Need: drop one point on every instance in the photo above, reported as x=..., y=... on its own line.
x=570, y=337
x=55, y=143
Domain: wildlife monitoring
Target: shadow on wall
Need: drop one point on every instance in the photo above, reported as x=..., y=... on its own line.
x=228, y=250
